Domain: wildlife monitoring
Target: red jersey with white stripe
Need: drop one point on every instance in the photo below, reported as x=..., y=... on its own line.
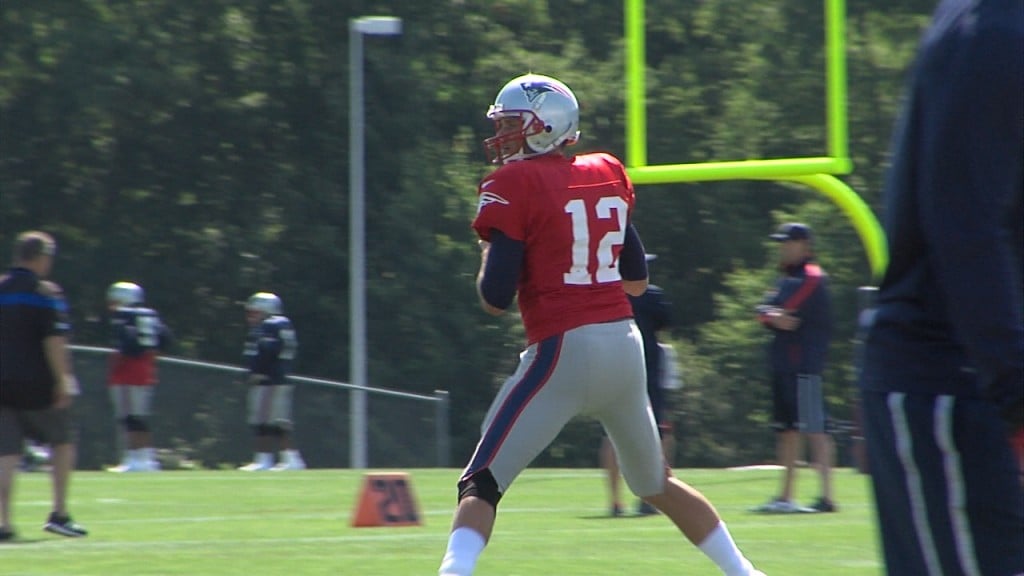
x=571, y=215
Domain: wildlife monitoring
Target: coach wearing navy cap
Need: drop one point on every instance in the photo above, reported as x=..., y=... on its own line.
x=792, y=231
x=798, y=314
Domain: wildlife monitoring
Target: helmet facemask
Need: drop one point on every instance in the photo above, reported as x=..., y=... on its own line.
x=512, y=129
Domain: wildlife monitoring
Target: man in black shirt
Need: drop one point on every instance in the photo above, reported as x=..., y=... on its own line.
x=36, y=378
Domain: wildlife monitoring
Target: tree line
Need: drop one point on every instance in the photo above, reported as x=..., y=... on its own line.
x=201, y=150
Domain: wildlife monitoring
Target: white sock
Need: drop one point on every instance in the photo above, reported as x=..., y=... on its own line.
x=721, y=549
x=291, y=456
x=149, y=454
x=263, y=458
x=464, y=547
x=135, y=456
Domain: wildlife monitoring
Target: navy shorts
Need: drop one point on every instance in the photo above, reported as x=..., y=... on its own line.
x=947, y=488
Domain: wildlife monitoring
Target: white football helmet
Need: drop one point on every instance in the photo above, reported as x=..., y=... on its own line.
x=265, y=303
x=125, y=294
x=549, y=115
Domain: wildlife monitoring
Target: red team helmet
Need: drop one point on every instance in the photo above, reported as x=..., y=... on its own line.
x=549, y=117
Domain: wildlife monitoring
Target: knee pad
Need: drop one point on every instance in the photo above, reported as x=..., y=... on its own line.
x=135, y=424
x=482, y=485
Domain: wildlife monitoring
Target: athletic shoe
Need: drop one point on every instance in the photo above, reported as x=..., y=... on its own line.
x=6, y=535
x=824, y=505
x=645, y=509
x=282, y=466
x=779, y=506
x=126, y=467
x=64, y=526
x=254, y=467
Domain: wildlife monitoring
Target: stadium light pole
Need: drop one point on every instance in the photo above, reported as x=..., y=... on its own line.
x=357, y=28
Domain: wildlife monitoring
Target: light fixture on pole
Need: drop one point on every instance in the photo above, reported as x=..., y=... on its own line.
x=373, y=26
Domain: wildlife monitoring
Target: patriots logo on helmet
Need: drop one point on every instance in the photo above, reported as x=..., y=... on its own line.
x=533, y=90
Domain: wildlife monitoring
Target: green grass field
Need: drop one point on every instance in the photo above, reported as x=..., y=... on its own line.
x=552, y=522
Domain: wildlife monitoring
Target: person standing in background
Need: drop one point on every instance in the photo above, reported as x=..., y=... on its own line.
x=798, y=312
x=652, y=313
x=270, y=348
x=942, y=385
x=37, y=381
x=139, y=334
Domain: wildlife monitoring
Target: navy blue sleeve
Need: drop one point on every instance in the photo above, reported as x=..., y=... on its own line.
x=166, y=337
x=632, y=258
x=970, y=164
x=501, y=273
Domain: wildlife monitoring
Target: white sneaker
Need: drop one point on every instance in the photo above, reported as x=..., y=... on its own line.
x=778, y=506
x=126, y=467
x=151, y=466
x=282, y=466
x=254, y=467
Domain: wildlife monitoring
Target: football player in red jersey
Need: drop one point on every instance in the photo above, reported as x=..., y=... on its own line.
x=139, y=335
x=555, y=229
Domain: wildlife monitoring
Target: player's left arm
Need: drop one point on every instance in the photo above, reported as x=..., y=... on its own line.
x=165, y=338
x=633, y=263
x=971, y=210
x=501, y=260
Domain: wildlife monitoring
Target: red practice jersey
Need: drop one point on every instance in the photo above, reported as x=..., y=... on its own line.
x=571, y=216
x=133, y=371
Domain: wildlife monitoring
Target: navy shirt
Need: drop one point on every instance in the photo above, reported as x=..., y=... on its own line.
x=803, y=292
x=31, y=310
x=138, y=329
x=270, y=348
x=949, y=317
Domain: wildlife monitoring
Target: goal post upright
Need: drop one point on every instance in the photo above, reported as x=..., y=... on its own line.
x=818, y=173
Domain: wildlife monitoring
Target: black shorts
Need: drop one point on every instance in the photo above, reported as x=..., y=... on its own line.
x=798, y=402
x=660, y=407
x=47, y=426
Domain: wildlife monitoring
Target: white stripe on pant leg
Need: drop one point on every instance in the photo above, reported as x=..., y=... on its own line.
x=918, y=506
x=955, y=481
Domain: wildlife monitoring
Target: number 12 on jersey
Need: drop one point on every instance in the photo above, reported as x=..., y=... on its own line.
x=607, y=208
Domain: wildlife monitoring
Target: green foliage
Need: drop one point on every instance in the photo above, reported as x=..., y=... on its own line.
x=201, y=150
